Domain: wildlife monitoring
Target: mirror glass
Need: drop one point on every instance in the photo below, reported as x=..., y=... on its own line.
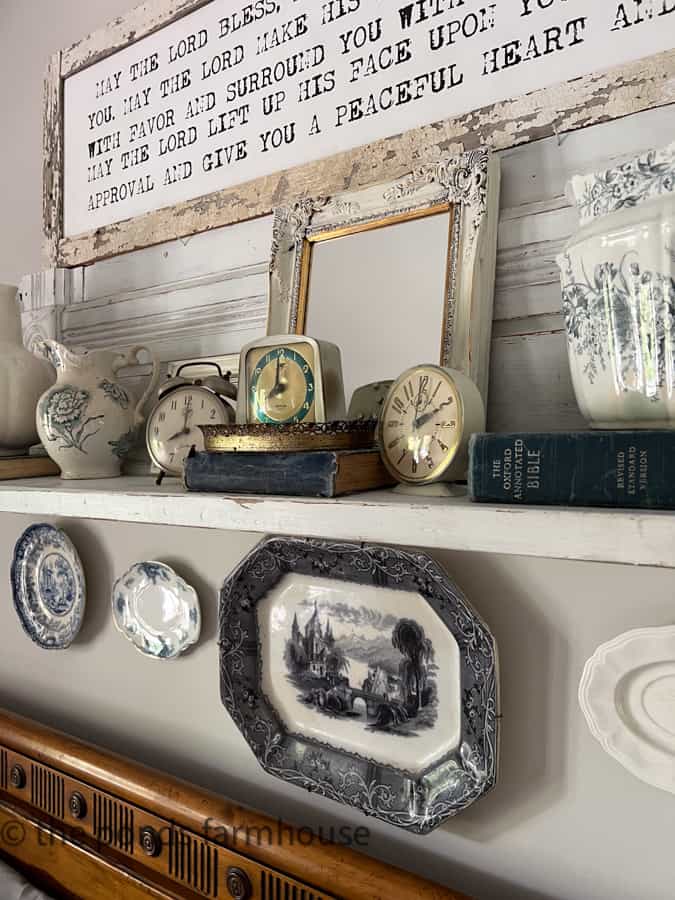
x=380, y=296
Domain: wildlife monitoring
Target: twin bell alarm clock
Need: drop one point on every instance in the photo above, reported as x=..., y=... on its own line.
x=183, y=405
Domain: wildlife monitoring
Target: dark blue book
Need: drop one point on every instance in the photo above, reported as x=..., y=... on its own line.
x=315, y=473
x=634, y=469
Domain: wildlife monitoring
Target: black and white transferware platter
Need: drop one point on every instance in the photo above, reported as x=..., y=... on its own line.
x=361, y=673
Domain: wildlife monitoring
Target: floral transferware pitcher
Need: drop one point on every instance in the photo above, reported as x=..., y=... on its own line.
x=618, y=283
x=88, y=421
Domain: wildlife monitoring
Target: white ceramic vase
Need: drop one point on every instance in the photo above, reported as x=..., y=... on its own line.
x=88, y=421
x=23, y=379
x=619, y=294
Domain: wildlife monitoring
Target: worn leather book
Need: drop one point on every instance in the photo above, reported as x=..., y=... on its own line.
x=27, y=467
x=631, y=469
x=318, y=473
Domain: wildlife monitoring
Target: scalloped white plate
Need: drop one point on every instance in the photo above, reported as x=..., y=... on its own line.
x=627, y=694
x=156, y=610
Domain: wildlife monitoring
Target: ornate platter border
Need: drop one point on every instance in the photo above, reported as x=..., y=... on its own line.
x=418, y=803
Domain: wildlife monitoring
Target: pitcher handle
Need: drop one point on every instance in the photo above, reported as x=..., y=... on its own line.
x=128, y=359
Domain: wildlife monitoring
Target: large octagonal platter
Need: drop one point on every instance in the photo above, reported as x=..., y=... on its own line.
x=361, y=673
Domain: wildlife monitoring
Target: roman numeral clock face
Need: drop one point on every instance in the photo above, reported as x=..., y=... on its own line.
x=421, y=424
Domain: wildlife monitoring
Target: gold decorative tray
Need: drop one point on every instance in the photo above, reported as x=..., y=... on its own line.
x=356, y=435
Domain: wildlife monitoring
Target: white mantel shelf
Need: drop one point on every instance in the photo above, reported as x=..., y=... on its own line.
x=598, y=535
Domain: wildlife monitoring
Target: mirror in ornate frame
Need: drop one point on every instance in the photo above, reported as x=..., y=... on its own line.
x=396, y=273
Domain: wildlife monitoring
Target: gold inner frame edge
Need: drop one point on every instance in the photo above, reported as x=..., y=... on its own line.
x=360, y=227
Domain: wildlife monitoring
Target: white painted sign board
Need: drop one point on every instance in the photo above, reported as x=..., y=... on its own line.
x=235, y=91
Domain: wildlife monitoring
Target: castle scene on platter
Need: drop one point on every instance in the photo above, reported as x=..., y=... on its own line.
x=360, y=664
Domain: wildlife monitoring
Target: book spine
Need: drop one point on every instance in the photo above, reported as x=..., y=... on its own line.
x=282, y=474
x=597, y=468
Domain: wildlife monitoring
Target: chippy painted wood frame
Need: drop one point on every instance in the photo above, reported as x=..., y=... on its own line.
x=585, y=101
x=467, y=187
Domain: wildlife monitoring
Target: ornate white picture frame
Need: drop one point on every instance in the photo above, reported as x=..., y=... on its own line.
x=466, y=189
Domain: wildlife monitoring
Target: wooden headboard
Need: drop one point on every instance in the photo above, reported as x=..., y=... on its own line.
x=81, y=822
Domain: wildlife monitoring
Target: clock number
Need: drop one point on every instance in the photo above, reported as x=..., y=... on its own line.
x=188, y=400
x=306, y=406
x=305, y=369
x=162, y=417
x=156, y=430
x=212, y=414
x=174, y=404
x=172, y=456
x=424, y=382
x=393, y=443
x=402, y=457
x=310, y=387
x=409, y=391
x=414, y=466
x=399, y=406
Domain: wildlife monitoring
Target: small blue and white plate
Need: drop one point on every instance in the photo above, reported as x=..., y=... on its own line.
x=48, y=586
x=156, y=610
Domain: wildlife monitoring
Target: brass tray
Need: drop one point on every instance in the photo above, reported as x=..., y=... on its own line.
x=356, y=435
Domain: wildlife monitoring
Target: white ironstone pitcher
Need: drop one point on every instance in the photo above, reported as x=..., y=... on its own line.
x=88, y=421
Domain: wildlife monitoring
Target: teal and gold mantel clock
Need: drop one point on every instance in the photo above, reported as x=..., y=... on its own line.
x=290, y=380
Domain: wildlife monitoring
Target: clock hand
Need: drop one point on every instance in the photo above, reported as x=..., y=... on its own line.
x=280, y=385
x=184, y=429
x=422, y=420
x=277, y=380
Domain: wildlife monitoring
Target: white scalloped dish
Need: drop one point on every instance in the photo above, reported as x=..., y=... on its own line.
x=627, y=694
x=156, y=610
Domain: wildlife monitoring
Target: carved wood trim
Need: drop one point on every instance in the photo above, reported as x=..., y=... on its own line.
x=137, y=820
x=580, y=103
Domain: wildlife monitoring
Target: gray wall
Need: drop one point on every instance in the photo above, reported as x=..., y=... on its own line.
x=565, y=821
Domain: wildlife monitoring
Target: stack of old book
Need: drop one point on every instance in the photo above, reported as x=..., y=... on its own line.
x=327, y=459
x=34, y=466
x=631, y=469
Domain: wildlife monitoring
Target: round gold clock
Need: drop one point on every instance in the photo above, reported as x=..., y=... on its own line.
x=426, y=421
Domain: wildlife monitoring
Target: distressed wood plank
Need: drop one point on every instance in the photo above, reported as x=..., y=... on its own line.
x=630, y=537
x=580, y=103
x=530, y=384
x=52, y=157
x=133, y=26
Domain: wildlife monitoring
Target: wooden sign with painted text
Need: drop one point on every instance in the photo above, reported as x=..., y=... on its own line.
x=233, y=92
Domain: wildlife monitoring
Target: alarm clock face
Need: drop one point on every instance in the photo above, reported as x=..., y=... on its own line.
x=173, y=425
x=421, y=425
x=281, y=384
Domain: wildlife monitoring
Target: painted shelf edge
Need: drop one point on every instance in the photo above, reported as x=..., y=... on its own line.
x=595, y=535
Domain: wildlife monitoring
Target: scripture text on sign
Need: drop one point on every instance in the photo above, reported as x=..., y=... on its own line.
x=235, y=90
